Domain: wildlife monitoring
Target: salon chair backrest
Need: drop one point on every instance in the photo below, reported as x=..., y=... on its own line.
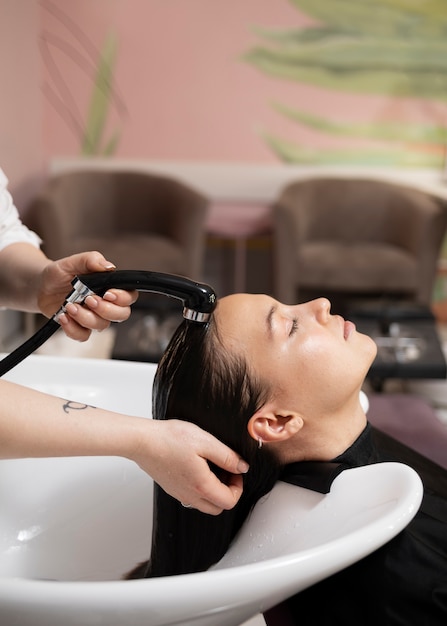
x=137, y=220
x=356, y=235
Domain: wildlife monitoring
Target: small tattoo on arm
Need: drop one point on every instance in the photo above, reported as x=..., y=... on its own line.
x=70, y=405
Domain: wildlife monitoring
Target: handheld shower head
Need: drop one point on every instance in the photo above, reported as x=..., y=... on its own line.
x=199, y=301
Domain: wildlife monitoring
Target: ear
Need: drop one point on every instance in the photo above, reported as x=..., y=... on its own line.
x=272, y=425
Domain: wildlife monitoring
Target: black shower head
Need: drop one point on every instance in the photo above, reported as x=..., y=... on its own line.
x=199, y=300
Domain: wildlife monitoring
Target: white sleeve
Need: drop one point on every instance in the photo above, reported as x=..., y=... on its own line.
x=12, y=229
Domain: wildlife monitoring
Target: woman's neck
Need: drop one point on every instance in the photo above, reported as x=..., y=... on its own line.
x=324, y=437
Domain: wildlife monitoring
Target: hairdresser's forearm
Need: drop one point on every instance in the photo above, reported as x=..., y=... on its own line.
x=21, y=265
x=33, y=424
x=173, y=452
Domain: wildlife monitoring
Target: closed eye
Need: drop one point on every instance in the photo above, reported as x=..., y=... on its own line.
x=294, y=327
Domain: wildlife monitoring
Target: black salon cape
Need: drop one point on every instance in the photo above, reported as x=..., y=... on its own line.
x=404, y=583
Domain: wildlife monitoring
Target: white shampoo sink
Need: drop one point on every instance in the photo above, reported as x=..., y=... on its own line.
x=70, y=528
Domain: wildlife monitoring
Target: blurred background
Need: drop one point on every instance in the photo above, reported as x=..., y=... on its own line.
x=236, y=99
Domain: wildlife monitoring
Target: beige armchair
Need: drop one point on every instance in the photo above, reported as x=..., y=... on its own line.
x=137, y=220
x=356, y=237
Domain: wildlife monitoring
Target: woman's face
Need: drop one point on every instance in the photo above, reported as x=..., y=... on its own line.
x=311, y=358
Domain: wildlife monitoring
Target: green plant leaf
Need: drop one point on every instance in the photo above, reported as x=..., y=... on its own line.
x=392, y=47
x=110, y=147
x=382, y=18
x=293, y=153
x=385, y=131
x=357, y=64
x=100, y=99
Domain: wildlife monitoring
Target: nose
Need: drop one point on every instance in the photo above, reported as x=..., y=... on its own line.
x=319, y=309
x=322, y=309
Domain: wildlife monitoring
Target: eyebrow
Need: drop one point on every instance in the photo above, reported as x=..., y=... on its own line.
x=269, y=320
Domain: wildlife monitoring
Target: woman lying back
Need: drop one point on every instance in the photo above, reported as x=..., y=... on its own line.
x=280, y=385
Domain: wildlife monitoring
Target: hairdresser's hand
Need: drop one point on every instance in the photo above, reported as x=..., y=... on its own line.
x=178, y=463
x=97, y=312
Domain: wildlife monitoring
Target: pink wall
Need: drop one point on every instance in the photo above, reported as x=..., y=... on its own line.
x=20, y=99
x=183, y=92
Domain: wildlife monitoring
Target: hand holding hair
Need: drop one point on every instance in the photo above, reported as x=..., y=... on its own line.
x=178, y=462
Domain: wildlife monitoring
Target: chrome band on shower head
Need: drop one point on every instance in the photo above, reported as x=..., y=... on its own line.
x=195, y=316
x=79, y=294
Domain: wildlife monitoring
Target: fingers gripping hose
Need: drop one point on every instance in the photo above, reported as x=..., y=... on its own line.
x=199, y=301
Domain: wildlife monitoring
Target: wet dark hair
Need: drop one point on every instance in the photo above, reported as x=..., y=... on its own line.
x=199, y=381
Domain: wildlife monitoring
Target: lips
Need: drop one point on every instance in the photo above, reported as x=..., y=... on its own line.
x=349, y=327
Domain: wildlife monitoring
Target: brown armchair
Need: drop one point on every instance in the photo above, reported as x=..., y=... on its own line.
x=137, y=220
x=358, y=237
